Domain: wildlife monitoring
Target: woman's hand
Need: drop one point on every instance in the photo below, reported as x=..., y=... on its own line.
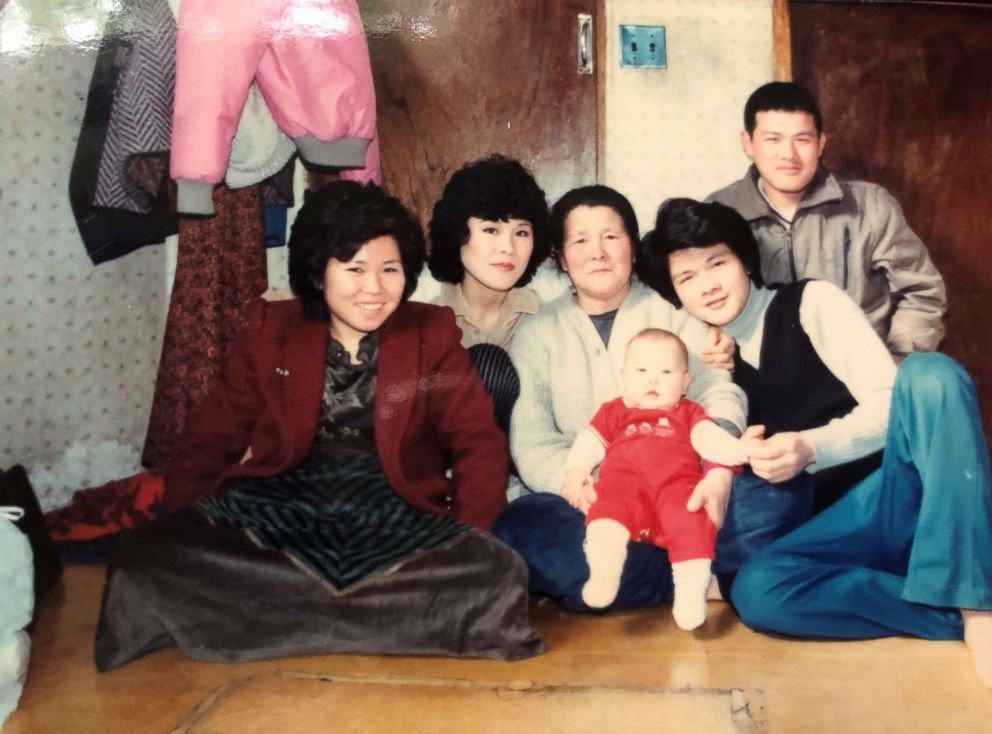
x=712, y=493
x=719, y=349
x=781, y=457
x=579, y=490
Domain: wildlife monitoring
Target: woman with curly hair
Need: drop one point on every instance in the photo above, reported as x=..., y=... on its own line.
x=489, y=234
x=339, y=473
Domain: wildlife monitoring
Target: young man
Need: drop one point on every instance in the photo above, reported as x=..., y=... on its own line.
x=809, y=224
x=909, y=549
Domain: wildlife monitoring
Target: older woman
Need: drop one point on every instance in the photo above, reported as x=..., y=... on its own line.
x=348, y=436
x=489, y=233
x=909, y=549
x=569, y=358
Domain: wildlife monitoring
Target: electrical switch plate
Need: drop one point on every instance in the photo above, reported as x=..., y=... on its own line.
x=643, y=46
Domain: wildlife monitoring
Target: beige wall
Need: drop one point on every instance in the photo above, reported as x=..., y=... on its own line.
x=79, y=345
x=674, y=131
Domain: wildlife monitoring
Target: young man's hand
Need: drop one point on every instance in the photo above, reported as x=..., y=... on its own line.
x=781, y=457
x=578, y=490
x=712, y=493
x=719, y=349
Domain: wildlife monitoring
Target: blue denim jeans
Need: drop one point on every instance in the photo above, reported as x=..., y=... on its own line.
x=908, y=546
x=548, y=533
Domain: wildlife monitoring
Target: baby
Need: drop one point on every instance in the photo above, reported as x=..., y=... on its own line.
x=649, y=441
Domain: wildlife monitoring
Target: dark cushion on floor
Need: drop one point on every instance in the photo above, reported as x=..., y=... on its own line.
x=219, y=597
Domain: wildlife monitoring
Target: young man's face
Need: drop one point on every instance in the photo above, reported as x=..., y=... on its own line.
x=786, y=149
x=711, y=282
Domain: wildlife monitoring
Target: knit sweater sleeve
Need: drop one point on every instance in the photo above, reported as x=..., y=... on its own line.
x=712, y=388
x=539, y=447
x=850, y=348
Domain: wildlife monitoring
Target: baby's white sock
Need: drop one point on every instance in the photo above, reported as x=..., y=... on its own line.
x=606, y=551
x=691, y=579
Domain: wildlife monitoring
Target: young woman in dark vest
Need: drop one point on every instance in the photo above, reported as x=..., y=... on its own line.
x=908, y=550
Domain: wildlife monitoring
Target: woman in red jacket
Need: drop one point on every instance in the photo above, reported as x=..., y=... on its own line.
x=349, y=437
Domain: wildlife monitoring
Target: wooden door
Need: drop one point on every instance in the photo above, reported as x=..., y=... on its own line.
x=907, y=103
x=457, y=80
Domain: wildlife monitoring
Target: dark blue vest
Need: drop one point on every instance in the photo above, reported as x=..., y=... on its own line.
x=793, y=390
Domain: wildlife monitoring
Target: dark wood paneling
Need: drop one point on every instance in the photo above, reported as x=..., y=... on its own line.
x=457, y=80
x=906, y=93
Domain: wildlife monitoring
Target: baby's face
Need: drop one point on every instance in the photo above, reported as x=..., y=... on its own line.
x=654, y=374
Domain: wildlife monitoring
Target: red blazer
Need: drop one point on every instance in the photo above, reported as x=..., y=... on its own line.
x=431, y=413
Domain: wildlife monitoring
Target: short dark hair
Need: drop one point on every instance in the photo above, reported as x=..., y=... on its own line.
x=496, y=189
x=685, y=223
x=334, y=223
x=785, y=96
x=595, y=195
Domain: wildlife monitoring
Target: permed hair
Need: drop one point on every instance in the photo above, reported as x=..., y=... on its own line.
x=595, y=195
x=685, y=223
x=784, y=96
x=335, y=222
x=496, y=189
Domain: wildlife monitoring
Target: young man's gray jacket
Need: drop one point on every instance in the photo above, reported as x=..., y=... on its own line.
x=853, y=234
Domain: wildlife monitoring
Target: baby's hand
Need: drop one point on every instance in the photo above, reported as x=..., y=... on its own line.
x=750, y=441
x=712, y=493
x=578, y=490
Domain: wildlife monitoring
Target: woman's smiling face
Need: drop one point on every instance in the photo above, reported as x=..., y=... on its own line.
x=711, y=282
x=362, y=292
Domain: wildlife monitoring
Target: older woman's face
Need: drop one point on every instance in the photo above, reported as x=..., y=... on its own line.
x=362, y=292
x=597, y=256
x=711, y=282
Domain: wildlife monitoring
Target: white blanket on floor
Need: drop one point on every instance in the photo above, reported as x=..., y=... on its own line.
x=16, y=607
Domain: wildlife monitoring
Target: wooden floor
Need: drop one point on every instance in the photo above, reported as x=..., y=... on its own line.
x=895, y=685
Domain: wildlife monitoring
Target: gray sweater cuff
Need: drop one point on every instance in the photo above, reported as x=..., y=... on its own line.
x=728, y=426
x=194, y=196
x=343, y=153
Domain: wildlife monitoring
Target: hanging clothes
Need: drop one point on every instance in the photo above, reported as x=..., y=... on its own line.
x=311, y=63
x=119, y=189
x=221, y=266
x=141, y=116
x=259, y=149
x=118, y=200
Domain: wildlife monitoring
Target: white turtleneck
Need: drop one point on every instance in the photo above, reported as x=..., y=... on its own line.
x=850, y=348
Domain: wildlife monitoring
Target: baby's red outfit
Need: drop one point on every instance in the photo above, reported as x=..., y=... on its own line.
x=648, y=475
